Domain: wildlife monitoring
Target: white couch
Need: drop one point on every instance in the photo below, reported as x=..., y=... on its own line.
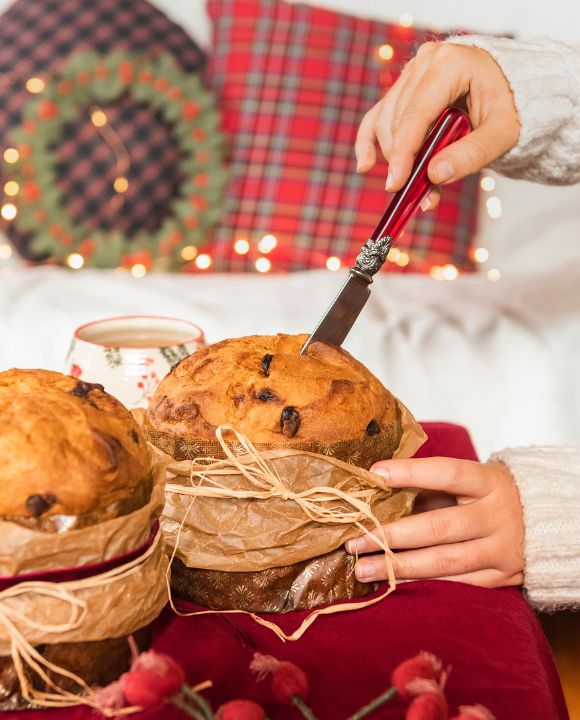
x=501, y=357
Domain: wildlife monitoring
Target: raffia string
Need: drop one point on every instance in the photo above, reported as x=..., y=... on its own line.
x=24, y=655
x=263, y=476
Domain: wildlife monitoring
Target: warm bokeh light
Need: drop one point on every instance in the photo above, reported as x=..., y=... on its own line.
x=8, y=211
x=242, y=247
x=267, y=243
x=5, y=251
x=121, y=184
x=35, y=85
x=494, y=208
x=494, y=274
x=394, y=254
x=138, y=270
x=263, y=265
x=11, y=188
x=11, y=155
x=203, y=262
x=189, y=252
x=333, y=263
x=402, y=260
x=449, y=272
x=75, y=261
x=436, y=272
x=98, y=118
x=406, y=20
x=386, y=52
x=481, y=255
x=487, y=183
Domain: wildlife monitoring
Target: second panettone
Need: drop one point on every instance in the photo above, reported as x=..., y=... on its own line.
x=324, y=401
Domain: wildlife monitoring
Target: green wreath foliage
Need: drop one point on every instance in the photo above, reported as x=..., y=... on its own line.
x=180, y=101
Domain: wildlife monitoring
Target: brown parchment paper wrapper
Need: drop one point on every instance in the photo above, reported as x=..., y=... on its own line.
x=268, y=555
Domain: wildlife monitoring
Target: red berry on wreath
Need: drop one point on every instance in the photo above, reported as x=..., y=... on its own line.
x=31, y=192
x=24, y=151
x=101, y=71
x=430, y=706
x=198, y=134
x=240, y=710
x=40, y=215
x=83, y=78
x=424, y=666
x=64, y=87
x=55, y=231
x=29, y=126
x=161, y=84
x=47, y=110
x=87, y=247
x=174, y=93
x=190, y=110
x=201, y=179
x=191, y=222
x=126, y=72
x=145, y=77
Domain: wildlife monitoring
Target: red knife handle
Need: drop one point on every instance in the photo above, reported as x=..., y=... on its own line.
x=452, y=125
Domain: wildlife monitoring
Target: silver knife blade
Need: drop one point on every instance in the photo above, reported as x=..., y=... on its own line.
x=344, y=310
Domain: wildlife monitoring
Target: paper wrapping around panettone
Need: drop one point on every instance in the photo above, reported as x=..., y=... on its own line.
x=268, y=555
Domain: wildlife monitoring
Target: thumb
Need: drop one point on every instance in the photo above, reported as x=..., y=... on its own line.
x=469, y=155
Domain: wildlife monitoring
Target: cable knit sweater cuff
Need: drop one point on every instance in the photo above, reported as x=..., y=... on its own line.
x=543, y=75
x=549, y=486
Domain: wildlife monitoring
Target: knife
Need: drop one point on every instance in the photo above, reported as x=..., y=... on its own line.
x=451, y=125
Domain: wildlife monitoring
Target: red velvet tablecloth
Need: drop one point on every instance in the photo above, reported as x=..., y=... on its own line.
x=491, y=638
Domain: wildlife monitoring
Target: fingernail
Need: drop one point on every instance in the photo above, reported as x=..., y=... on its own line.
x=359, y=166
x=355, y=546
x=425, y=204
x=381, y=470
x=364, y=571
x=390, y=180
x=444, y=171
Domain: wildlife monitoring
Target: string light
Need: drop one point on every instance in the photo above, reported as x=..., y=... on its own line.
x=189, y=252
x=394, y=254
x=5, y=251
x=203, y=262
x=138, y=270
x=242, y=247
x=436, y=272
x=402, y=260
x=386, y=52
x=449, y=272
x=11, y=155
x=493, y=205
x=494, y=275
x=11, y=188
x=406, y=20
x=98, y=118
x=487, y=183
x=267, y=243
x=121, y=184
x=9, y=211
x=75, y=261
x=35, y=85
x=333, y=264
x=481, y=255
x=263, y=265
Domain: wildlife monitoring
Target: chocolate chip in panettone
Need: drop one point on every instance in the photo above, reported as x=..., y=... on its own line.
x=135, y=437
x=373, y=428
x=82, y=388
x=266, y=360
x=37, y=505
x=265, y=395
x=290, y=421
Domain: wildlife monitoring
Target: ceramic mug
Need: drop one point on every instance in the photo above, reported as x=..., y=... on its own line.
x=131, y=355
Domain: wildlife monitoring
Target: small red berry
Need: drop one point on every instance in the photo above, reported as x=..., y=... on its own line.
x=473, y=712
x=147, y=689
x=422, y=666
x=430, y=706
x=289, y=680
x=240, y=710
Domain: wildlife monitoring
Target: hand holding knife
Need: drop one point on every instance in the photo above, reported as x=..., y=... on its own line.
x=452, y=125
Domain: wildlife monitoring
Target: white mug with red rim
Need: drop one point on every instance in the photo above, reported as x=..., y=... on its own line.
x=130, y=355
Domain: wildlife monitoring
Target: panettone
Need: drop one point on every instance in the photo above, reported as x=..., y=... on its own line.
x=324, y=400
x=72, y=458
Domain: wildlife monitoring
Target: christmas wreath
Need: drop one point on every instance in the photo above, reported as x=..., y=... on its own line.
x=180, y=101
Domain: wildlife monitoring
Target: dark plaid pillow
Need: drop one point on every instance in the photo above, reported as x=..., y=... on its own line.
x=36, y=37
x=293, y=82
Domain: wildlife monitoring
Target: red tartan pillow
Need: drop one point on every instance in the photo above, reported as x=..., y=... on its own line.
x=293, y=83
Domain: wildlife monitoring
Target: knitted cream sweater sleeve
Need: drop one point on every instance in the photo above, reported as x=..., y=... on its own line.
x=545, y=79
x=548, y=480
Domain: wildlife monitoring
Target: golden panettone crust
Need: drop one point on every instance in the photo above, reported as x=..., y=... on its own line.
x=67, y=447
x=263, y=387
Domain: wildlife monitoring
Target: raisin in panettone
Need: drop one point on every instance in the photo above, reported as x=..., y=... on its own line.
x=324, y=400
x=324, y=405
x=73, y=462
